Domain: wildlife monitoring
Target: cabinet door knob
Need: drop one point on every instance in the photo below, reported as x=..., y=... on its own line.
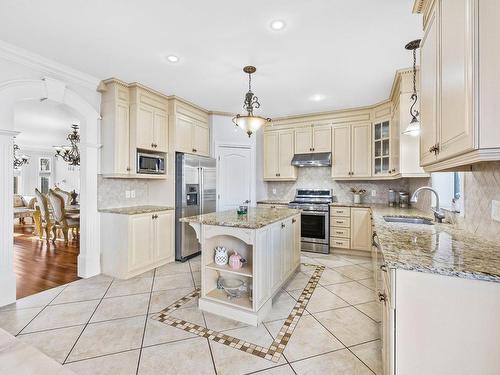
x=294, y=220
x=383, y=267
x=382, y=297
x=128, y=169
x=282, y=225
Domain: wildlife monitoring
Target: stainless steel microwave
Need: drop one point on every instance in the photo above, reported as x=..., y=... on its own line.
x=150, y=163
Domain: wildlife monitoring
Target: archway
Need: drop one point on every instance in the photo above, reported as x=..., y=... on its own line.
x=12, y=92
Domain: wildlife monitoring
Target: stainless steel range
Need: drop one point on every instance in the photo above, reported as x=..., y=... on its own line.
x=315, y=218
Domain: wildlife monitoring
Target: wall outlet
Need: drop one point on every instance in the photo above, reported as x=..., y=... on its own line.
x=495, y=210
x=274, y=190
x=374, y=193
x=127, y=194
x=132, y=193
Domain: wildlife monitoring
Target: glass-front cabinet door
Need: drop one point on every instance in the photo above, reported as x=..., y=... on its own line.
x=381, y=148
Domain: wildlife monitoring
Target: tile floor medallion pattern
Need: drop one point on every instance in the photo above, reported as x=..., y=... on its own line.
x=103, y=325
x=274, y=351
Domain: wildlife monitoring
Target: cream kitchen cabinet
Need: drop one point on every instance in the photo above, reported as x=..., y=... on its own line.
x=350, y=228
x=385, y=149
x=136, y=243
x=460, y=55
x=191, y=129
x=361, y=228
x=351, y=151
x=278, y=154
x=312, y=139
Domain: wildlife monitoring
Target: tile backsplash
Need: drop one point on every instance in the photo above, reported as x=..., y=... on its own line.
x=111, y=192
x=320, y=178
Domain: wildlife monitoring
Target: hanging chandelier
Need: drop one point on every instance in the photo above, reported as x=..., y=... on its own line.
x=19, y=160
x=70, y=153
x=250, y=123
x=413, y=127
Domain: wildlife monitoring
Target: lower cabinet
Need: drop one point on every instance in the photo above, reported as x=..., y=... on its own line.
x=350, y=228
x=134, y=244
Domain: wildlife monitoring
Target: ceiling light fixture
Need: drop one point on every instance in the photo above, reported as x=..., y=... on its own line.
x=19, y=160
x=413, y=128
x=278, y=25
x=172, y=58
x=317, y=97
x=70, y=154
x=250, y=123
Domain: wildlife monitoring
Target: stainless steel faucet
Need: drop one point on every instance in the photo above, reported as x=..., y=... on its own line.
x=438, y=215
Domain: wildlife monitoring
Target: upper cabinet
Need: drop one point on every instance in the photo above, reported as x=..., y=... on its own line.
x=460, y=84
x=190, y=126
x=133, y=118
x=278, y=154
x=351, y=151
x=311, y=139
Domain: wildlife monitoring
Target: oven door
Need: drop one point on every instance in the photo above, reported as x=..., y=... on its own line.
x=314, y=227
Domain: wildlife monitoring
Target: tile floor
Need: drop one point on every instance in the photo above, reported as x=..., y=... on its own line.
x=103, y=326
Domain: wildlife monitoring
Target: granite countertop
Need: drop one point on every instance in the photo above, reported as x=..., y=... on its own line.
x=135, y=210
x=255, y=218
x=274, y=201
x=440, y=248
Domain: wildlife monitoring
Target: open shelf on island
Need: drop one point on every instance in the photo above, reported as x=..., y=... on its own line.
x=221, y=296
x=244, y=271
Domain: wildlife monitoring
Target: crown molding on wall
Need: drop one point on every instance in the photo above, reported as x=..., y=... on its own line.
x=29, y=59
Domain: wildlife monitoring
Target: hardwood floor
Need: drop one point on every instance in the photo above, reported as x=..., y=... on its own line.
x=39, y=266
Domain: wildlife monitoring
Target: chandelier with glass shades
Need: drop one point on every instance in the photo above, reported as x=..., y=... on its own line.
x=70, y=153
x=250, y=123
x=413, y=127
x=19, y=160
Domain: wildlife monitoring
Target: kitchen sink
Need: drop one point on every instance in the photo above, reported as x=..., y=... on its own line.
x=408, y=220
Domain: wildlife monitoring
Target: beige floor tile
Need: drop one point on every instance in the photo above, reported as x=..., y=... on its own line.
x=334, y=262
x=182, y=280
x=131, y=286
x=369, y=283
x=279, y=370
x=219, y=323
x=164, y=298
x=282, y=306
x=121, y=307
x=14, y=321
x=197, y=278
x=339, y=362
x=173, y=269
x=354, y=272
x=349, y=325
x=308, y=260
x=82, y=292
x=330, y=276
x=36, y=300
x=159, y=333
x=297, y=281
x=58, y=316
x=121, y=363
x=101, y=278
x=231, y=361
x=55, y=343
x=371, y=354
x=356, y=259
x=108, y=338
x=372, y=309
x=195, y=264
x=309, y=338
x=352, y=292
x=321, y=300
x=182, y=357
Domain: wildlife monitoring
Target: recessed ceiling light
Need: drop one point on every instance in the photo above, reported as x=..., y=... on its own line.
x=278, y=25
x=317, y=97
x=172, y=58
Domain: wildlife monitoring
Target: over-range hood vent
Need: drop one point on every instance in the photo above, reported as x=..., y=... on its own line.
x=320, y=159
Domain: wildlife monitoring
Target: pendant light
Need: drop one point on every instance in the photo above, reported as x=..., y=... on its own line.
x=250, y=123
x=413, y=128
x=19, y=160
x=70, y=153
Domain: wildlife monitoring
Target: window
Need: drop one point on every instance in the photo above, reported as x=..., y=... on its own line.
x=44, y=183
x=449, y=186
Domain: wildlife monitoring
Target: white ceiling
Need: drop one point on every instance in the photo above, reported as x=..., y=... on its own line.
x=42, y=124
x=344, y=50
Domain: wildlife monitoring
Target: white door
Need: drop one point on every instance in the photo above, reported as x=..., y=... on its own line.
x=234, y=177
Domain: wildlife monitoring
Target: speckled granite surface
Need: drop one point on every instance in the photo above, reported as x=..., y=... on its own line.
x=274, y=201
x=439, y=248
x=135, y=210
x=255, y=218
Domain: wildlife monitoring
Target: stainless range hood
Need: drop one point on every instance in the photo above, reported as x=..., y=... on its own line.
x=320, y=159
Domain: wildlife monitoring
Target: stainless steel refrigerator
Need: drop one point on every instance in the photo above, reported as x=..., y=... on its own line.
x=195, y=194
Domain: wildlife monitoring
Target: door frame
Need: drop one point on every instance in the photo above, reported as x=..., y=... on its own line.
x=253, y=176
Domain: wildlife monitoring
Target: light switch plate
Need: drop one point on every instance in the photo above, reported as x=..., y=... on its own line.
x=127, y=194
x=274, y=190
x=132, y=193
x=495, y=210
x=374, y=193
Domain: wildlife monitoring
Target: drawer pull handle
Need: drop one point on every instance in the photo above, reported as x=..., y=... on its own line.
x=340, y=221
x=383, y=267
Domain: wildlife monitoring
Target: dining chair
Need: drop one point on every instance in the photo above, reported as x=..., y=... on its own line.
x=61, y=219
x=42, y=215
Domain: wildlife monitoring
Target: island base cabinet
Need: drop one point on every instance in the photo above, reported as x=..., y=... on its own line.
x=272, y=255
x=134, y=244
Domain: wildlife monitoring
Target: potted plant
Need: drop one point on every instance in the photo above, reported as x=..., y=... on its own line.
x=357, y=194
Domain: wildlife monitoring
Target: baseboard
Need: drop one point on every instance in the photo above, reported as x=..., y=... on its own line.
x=8, y=293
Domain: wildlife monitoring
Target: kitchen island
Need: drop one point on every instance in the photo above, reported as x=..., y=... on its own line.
x=269, y=241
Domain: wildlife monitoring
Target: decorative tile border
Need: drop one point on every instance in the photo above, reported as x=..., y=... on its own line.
x=274, y=351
